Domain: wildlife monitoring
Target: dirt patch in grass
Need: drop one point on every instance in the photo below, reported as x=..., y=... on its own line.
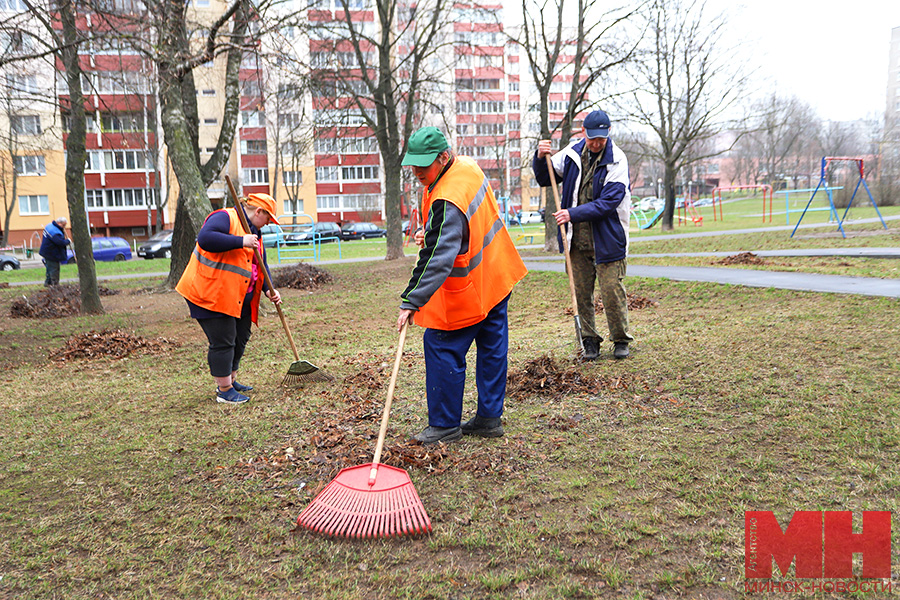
x=742, y=258
x=301, y=277
x=52, y=303
x=114, y=343
x=635, y=302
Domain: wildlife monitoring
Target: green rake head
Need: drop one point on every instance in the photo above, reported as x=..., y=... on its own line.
x=303, y=371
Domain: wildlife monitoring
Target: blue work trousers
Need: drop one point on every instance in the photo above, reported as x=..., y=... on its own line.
x=445, y=367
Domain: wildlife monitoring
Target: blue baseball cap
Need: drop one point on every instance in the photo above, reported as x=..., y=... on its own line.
x=596, y=125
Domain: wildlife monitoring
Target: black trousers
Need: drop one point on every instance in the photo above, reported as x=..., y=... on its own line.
x=227, y=337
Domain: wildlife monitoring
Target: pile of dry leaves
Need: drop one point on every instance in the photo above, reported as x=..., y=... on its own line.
x=543, y=376
x=744, y=258
x=115, y=343
x=53, y=302
x=300, y=277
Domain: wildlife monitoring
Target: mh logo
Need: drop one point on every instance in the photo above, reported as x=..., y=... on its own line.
x=823, y=544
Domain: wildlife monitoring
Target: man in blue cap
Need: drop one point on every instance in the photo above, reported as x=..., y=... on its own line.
x=459, y=288
x=596, y=200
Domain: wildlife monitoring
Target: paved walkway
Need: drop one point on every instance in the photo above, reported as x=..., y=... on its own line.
x=806, y=282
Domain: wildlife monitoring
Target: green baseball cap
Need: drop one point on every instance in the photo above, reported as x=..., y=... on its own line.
x=424, y=147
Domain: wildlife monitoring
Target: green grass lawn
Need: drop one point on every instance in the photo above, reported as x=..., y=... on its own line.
x=123, y=478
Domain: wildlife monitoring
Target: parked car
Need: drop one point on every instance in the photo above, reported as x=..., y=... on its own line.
x=8, y=262
x=105, y=249
x=110, y=248
x=158, y=246
x=361, y=231
x=273, y=235
x=327, y=232
x=529, y=216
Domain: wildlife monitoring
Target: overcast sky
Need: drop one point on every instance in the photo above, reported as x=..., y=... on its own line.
x=833, y=55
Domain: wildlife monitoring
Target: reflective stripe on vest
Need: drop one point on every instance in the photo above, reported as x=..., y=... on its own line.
x=221, y=266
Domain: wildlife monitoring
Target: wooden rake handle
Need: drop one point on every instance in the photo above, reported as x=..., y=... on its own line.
x=565, y=236
x=387, y=405
x=239, y=209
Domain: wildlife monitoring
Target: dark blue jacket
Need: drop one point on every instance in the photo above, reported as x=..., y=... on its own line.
x=610, y=209
x=53, y=243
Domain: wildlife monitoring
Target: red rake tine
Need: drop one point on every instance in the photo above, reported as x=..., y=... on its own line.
x=354, y=506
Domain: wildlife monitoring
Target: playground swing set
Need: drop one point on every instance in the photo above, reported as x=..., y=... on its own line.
x=860, y=163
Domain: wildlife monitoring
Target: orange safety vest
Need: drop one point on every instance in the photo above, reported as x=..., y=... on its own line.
x=487, y=272
x=218, y=281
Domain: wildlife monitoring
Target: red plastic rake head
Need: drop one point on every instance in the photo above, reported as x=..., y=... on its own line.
x=349, y=507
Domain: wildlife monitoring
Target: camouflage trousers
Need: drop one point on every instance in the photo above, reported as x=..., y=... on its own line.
x=612, y=293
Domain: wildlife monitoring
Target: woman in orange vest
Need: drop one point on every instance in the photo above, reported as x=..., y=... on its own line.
x=222, y=285
x=459, y=289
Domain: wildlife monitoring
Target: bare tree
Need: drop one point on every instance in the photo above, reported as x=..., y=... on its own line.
x=56, y=34
x=378, y=75
x=685, y=85
x=582, y=54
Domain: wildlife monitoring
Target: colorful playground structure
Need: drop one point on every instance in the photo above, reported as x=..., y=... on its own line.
x=766, y=193
x=860, y=164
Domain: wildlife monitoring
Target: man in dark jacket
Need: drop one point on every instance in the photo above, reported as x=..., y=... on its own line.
x=596, y=199
x=53, y=249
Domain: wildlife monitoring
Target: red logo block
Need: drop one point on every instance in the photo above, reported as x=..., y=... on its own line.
x=821, y=544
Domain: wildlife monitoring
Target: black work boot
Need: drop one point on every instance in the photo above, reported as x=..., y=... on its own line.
x=433, y=435
x=620, y=350
x=483, y=427
x=591, y=348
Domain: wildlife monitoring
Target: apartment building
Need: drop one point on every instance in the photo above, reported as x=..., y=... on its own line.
x=130, y=190
x=892, y=106
x=32, y=160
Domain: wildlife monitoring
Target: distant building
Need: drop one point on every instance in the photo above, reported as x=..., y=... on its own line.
x=892, y=106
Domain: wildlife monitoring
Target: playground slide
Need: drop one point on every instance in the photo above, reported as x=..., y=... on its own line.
x=653, y=220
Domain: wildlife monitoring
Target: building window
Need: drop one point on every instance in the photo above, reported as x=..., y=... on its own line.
x=326, y=173
x=332, y=202
x=110, y=123
x=288, y=120
x=119, y=198
x=13, y=6
x=253, y=118
x=21, y=84
x=514, y=86
x=25, y=124
x=514, y=105
x=360, y=173
x=34, y=205
x=292, y=177
x=489, y=129
x=253, y=146
x=256, y=176
x=293, y=206
x=250, y=87
x=29, y=165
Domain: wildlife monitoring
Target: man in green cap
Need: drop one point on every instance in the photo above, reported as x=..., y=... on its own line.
x=459, y=289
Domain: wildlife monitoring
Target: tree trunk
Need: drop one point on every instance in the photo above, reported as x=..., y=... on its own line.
x=668, y=218
x=392, y=200
x=193, y=204
x=75, y=158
